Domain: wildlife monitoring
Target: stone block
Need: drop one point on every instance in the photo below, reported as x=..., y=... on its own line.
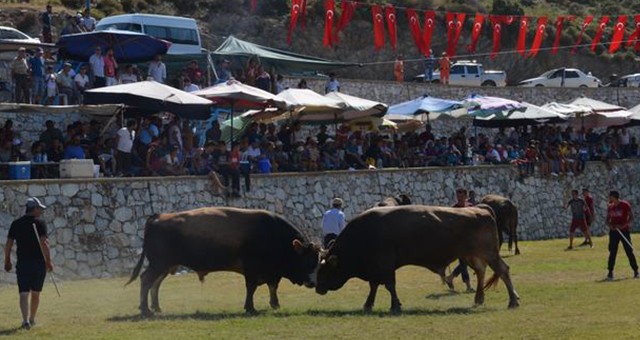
x=69, y=189
x=37, y=190
x=123, y=214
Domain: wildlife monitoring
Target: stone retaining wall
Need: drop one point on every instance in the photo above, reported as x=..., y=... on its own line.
x=96, y=226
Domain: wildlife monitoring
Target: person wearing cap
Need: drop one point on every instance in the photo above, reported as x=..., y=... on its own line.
x=38, y=67
x=333, y=221
x=34, y=259
x=20, y=74
x=66, y=85
x=619, y=218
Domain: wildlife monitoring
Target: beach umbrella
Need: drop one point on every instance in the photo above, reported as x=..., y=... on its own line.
x=356, y=108
x=310, y=106
x=528, y=114
x=597, y=114
x=430, y=107
x=128, y=47
x=483, y=106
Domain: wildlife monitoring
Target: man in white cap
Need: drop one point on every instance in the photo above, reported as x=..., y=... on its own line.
x=34, y=259
x=333, y=221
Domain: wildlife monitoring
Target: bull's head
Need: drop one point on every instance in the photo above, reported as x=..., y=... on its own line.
x=305, y=263
x=330, y=276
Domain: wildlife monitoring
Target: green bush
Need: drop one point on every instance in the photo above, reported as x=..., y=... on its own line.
x=28, y=22
x=110, y=7
x=73, y=4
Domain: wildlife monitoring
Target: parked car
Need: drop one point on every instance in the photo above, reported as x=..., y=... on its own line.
x=13, y=35
x=183, y=33
x=630, y=80
x=470, y=73
x=563, y=77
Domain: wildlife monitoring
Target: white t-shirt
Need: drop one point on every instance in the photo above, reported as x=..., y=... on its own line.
x=81, y=80
x=191, y=88
x=333, y=222
x=128, y=78
x=332, y=85
x=158, y=71
x=97, y=65
x=125, y=139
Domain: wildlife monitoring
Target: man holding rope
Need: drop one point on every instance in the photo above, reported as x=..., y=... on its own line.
x=34, y=259
x=619, y=217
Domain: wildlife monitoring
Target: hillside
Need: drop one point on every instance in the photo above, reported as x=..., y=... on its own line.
x=268, y=26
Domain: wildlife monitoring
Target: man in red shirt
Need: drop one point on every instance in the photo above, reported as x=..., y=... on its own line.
x=619, y=217
x=462, y=268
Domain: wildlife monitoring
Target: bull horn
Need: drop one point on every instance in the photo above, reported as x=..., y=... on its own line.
x=297, y=245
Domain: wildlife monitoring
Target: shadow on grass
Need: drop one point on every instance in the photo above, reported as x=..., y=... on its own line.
x=438, y=296
x=207, y=316
x=10, y=331
x=416, y=311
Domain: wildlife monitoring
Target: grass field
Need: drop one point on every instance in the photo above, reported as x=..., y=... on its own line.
x=562, y=296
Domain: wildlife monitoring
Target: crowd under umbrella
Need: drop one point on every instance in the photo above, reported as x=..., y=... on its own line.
x=427, y=106
x=238, y=96
x=128, y=47
x=599, y=114
x=149, y=97
x=528, y=114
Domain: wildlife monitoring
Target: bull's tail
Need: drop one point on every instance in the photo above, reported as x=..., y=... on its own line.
x=136, y=270
x=492, y=282
x=513, y=237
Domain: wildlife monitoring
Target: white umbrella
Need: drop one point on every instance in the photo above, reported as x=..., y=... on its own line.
x=239, y=96
x=310, y=106
x=355, y=107
x=527, y=114
x=591, y=113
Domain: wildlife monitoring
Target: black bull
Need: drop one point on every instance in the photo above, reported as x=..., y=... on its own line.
x=506, y=218
x=381, y=240
x=261, y=245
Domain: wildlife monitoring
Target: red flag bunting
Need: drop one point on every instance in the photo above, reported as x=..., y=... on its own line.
x=634, y=38
x=596, y=39
x=390, y=15
x=556, y=43
x=254, y=5
x=618, y=34
x=378, y=27
x=508, y=19
x=348, y=9
x=303, y=15
x=522, y=36
x=329, y=13
x=537, y=40
x=496, y=23
x=475, y=32
x=414, y=26
x=295, y=12
x=585, y=24
x=429, y=24
x=459, y=26
x=451, y=31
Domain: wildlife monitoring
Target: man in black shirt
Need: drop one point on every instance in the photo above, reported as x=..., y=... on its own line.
x=34, y=259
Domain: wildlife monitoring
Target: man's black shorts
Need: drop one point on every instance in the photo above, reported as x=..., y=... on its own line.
x=31, y=275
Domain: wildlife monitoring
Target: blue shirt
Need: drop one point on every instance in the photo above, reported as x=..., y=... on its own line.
x=73, y=152
x=333, y=222
x=37, y=66
x=147, y=134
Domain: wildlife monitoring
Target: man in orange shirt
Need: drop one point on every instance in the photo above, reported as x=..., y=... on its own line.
x=398, y=69
x=445, y=66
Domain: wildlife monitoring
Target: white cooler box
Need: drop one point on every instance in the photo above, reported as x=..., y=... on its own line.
x=76, y=168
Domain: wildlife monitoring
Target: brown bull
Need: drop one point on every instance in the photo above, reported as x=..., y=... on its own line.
x=379, y=241
x=506, y=218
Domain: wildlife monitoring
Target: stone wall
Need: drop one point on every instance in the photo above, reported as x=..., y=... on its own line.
x=393, y=92
x=96, y=227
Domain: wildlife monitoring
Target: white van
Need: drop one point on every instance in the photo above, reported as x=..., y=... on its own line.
x=182, y=32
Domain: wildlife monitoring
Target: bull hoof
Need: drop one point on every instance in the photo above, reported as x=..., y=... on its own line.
x=146, y=312
x=156, y=309
x=396, y=310
x=251, y=311
x=275, y=306
x=367, y=309
x=513, y=304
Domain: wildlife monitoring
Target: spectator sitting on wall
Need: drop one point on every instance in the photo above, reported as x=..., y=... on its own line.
x=55, y=150
x=74, y=149
x=66, y=84
x=332, y=85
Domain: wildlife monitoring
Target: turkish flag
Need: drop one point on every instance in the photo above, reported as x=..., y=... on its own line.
x=635, y=36
x=429, y=25
x=459, y=25
x=596, y=39
x=556, y=43
x=414, y=27
x=537, y=40
x=522, y=36
x=618, y=34
x=390, y=15
x=303, y=15
x=475, y=32
x=329, y=14
x=585, y=24
x=348, y=9
x=378, y=27
x=496, y=23
x=295, y=11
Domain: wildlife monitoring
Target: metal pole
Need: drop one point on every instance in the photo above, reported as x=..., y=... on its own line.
x=35, y=230
x=626, y=241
